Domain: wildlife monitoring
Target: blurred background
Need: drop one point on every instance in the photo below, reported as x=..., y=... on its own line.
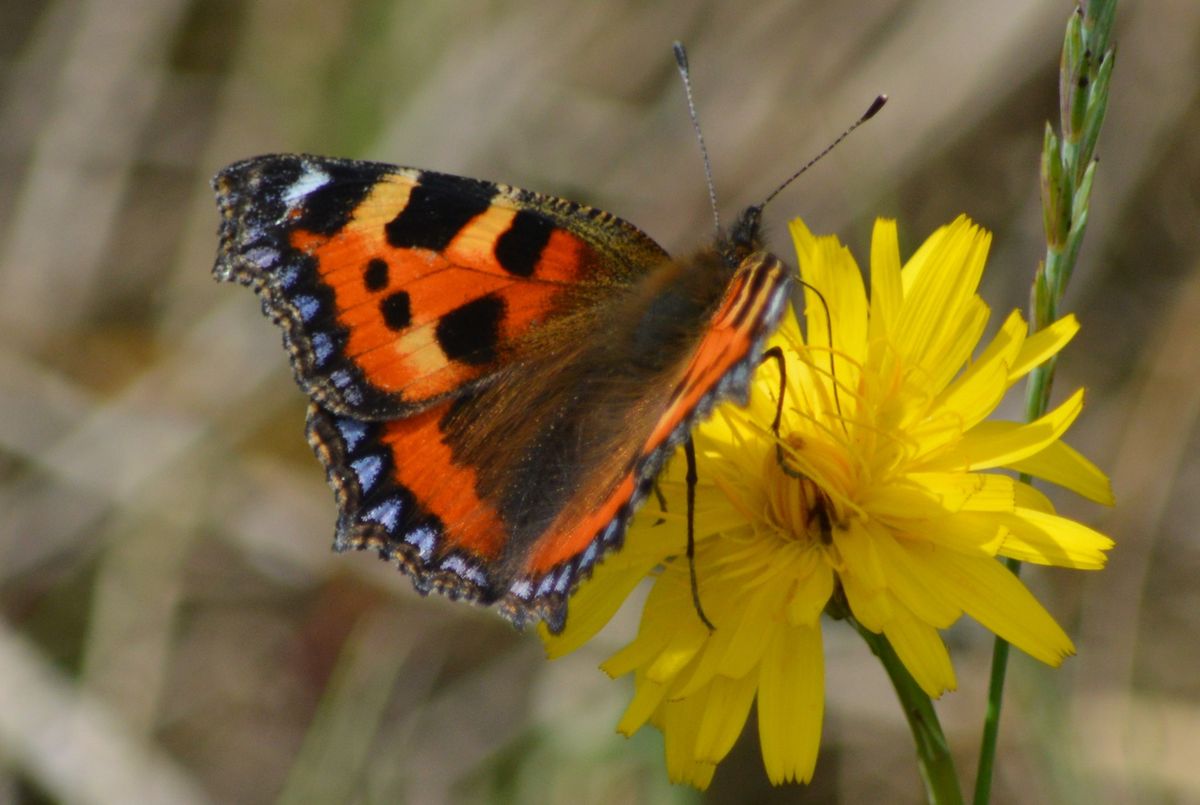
x=173, y=627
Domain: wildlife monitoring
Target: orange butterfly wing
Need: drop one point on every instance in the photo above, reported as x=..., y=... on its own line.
x=397, y=287
x=497, y=375
x=719, y=369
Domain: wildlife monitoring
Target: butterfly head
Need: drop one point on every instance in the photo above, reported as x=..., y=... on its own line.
x=745, y=236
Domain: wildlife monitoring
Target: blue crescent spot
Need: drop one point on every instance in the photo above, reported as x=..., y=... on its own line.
x=367, y=469
x=387, y=513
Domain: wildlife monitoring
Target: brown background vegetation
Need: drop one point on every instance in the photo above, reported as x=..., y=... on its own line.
x=172, y=625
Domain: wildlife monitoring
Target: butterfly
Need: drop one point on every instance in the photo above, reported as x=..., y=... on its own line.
x=496, y=376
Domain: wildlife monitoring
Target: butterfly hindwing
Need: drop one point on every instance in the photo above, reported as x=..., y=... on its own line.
x=497, y=376
x=402, y=494
x=397, y=488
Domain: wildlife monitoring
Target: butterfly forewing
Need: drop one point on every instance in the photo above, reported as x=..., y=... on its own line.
x=397, y=287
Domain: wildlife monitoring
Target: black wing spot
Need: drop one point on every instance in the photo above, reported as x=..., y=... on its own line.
x=470, y=333
x=437, y=210
x=397, y=310
x=375, y=278
x=520, y=247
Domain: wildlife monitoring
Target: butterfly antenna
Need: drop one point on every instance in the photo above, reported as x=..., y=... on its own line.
x=682, y=62
x=872, y=110
x=751, y=219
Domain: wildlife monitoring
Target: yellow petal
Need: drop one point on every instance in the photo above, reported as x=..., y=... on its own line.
x=857, y=549
x=1009, y=342
x=939, y=285
x=668, y=634
x=887, y=294
x=968, y=491
x=1047, y=539
x=835, y=310
x=1043, y=344
x=992, y=595
x=910, y=582
x=954, y=342
x=748, y=643
x=915, y=266
x=871, y=607
x=911, y=501
x=674, y=657
x=679, y=722
x=726, y=706
x=847, y=299
x=998, y=444
x=1028, y=496
x=811, y=593
x=634, y=655
x=978, y=534
x=923, y=653
x=803, y=240
x=734, y=649
x=978, y=390
x=595, y=602
x=647, y=697
x=936, y=494
x=791, y=701
x=1061, y=464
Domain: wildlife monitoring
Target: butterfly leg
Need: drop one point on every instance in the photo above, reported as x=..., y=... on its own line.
x=777, y=354
x=817, y=508
x=689, y=451
x=662, y=502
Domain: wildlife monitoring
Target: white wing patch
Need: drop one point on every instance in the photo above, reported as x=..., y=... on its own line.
x=312, y=179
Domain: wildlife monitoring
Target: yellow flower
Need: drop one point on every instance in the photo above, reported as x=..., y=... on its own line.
x=876, y=497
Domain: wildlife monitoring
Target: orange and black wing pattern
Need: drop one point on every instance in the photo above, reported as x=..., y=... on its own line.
x=397, y=287
x=497, y=376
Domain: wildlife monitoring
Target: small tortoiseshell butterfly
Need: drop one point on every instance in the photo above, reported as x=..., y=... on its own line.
x=497, y=376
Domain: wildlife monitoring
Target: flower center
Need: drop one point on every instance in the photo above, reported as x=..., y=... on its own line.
x=797, y=506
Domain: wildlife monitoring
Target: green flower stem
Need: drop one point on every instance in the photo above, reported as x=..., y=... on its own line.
x=933, y=752
x=991, y=723
x=1068, y=167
